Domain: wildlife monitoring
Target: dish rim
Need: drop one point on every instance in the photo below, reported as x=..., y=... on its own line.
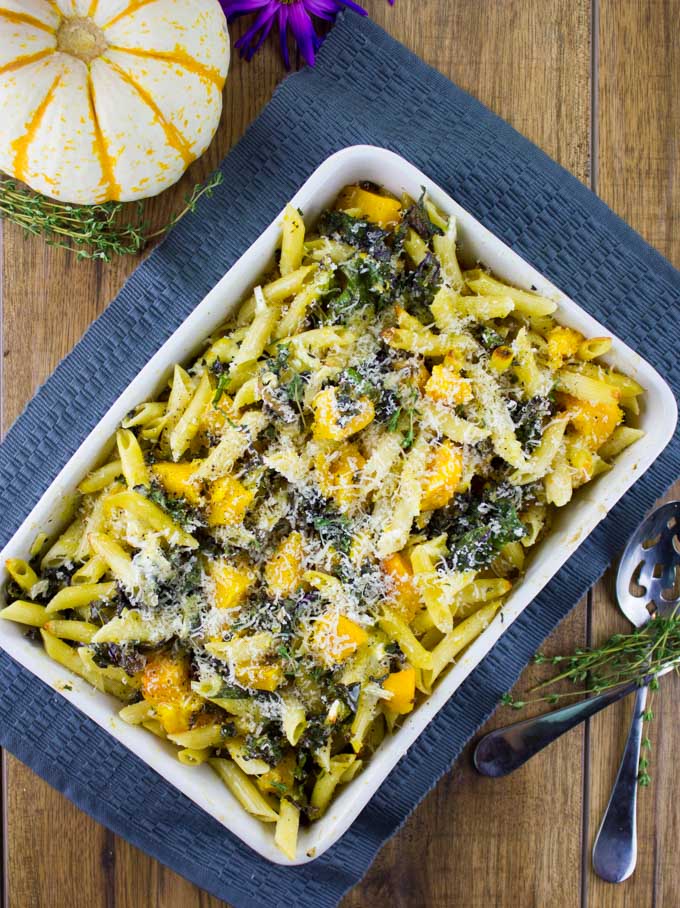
x=223, y=298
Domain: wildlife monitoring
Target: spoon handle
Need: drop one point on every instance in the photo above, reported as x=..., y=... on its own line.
x=615, y=848
x=506, y=749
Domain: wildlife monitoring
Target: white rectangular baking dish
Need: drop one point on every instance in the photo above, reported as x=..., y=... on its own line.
x=658, y=418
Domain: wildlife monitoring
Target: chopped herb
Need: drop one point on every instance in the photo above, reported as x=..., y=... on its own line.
x=279, y=363
x=295, y=388
x=221, y=371
x=394, y=420
x=233, y=692
x=334, y=528
x=489, y=338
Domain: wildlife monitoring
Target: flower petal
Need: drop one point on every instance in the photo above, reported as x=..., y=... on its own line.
x=283, y=35
x=235, y=8
x=303, y=31
x=250, y=42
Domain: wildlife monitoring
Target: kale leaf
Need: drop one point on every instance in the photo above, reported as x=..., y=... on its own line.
x=478, y=525
x=530, y=417
x=177, y=507
x=316, y=512
x=267, y=747
x=418, y=287
x=357, y=233
x=360, y=282
x=316, y=732
x=417, y=217
x=125, y=656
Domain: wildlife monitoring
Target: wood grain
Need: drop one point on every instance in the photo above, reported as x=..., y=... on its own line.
x=523, y=841
x=638, y=174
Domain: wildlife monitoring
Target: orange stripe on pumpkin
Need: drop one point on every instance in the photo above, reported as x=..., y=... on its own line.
x=100, y=147
x=92, y=8
x=22, y=145
x=25, y=19
x=174, y=137
x=24, y=61
x=181, y=58
x=129, y=9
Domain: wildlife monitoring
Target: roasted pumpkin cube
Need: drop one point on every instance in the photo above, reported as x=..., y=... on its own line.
x=166, y=684
x=338, y=474
x=446, y=385
x=336, y=638
x=229, y=501
x=336, y=417
x=402, y=686
x=444, y=471
x=562, y=344
x=378, y=209
x=258, y=676
x=283, y=774
x=403, y=596
x=176, y=479
x=173, y=717
x=231, y=583
x=284, y=572
x=594, y=422
x=165, y=679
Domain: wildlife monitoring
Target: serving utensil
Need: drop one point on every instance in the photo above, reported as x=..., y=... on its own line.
x=650, y=561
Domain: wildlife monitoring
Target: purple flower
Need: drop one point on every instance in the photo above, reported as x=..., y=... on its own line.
x=295, y=15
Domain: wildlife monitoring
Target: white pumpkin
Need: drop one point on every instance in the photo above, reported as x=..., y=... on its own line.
x=108, y=99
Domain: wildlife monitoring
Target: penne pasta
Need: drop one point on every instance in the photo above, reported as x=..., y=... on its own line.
x=244, y=791
x=132, y=460
x=292, y=241
x=101, y=478
x=282, y=553
x=287, y=826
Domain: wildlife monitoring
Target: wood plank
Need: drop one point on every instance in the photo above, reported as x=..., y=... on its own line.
x=477, y=842
x=474, y=842
x=639, y=176
x=58, y=297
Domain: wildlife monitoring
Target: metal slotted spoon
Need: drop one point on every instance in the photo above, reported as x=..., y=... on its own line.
x=651, y=560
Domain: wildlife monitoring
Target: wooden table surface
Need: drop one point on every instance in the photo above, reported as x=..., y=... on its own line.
x=596, y=84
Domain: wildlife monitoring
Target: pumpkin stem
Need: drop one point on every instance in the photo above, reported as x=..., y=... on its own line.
x=81, y=38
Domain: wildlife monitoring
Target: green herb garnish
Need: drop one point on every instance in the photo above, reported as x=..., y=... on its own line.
x=636, y=657
x=90, y=231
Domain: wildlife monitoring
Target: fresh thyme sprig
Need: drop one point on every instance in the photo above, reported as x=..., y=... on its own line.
x=90, y=231
x=636, y=657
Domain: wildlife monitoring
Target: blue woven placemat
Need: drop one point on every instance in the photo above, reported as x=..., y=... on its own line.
x=366, y=88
